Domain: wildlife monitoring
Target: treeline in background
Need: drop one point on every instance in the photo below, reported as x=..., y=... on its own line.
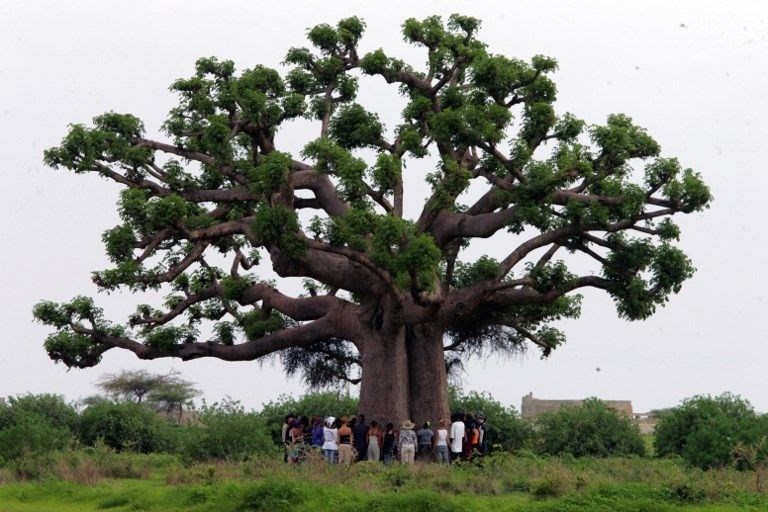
x=146, y=413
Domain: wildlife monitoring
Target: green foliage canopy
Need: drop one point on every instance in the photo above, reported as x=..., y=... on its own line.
x=590, y=429
x=224, y=184
x=705, y=430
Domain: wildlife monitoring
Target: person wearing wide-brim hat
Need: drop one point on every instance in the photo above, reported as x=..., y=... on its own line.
x=407, y=442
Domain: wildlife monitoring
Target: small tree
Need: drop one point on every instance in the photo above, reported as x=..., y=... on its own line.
x=126, y=426
x=590, y=429
x=706, y=430
x=131, y=385
x=226, y=431
x=166, y=393
x=173, y=396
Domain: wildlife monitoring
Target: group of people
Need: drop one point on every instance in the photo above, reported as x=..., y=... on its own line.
x=346, y=440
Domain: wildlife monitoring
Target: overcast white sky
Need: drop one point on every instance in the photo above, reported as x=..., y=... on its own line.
x=694, y=73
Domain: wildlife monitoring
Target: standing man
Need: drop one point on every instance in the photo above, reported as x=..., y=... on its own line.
x=425, y=436
x=360, y=438
x=457, y=435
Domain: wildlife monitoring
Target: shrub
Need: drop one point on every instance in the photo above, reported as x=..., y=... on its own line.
x=591, y=429
x=31, y=466
x=31, y=434
x=126, y=426
x=504, y=427
x=704, y=430
x=52, y=409
x=225, y=431
x=684, y=494
x=274, y=496
x=546, y=487
x=325, y=403
x=35, y=424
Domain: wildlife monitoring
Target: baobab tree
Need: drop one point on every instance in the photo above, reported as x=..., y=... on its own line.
x=391, y=302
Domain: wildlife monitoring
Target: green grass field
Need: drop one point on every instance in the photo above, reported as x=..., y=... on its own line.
x=79, y=481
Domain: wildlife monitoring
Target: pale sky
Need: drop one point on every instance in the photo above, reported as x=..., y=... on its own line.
x=694, y=73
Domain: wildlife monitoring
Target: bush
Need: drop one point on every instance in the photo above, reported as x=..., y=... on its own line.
x=547, y=487
x=126, y=426
x=52, y=409
x=225, y=431
x=591, y=429
x=325, y=403
x=35, y=424
x=30, y=434
x=504, y=427
x=704, y=431
x=274, y=496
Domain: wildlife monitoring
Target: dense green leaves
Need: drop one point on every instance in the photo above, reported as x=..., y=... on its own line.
x=627, y=266
x=590, y=429
x=85, y=149
x=621, y=140
x=271, y=174
x=705, y=430
x=355, y=127
x=279, y=225
x=467, y=274
x=225, y=185
x=125, y=426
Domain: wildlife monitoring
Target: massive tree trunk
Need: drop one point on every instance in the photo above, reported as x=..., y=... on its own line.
x=428, y=381
x=384, y=391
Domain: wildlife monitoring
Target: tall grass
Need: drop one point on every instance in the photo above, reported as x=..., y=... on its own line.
x=525, y=482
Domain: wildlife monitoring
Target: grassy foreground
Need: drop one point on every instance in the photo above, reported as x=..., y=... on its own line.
x=124, y=482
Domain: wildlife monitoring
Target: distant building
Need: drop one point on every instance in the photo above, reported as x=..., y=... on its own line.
x=532, y=407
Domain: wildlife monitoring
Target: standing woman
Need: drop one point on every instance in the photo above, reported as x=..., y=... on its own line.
x=330, y=441
x=317, y=432
x=407, y=442
x=441, y=444
x=296, y=445
x=345, y=442
x=375, y=441
x=390, y=439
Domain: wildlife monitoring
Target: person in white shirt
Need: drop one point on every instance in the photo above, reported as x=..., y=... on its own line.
x=441, y=444
x=331, y=441
x=457, y=436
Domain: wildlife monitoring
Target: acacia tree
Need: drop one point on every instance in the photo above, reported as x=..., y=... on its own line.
x=132, y=385
x=389, y=301
x=168, y=393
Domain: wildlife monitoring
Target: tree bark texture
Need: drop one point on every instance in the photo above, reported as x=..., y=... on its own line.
x=428, y=381
x=384, y=392
x=404, y=377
